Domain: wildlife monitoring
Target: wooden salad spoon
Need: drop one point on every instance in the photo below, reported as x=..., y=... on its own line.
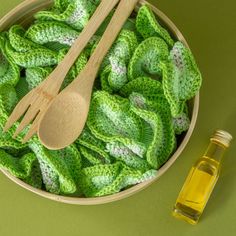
x=66, y=116
x=36, y=102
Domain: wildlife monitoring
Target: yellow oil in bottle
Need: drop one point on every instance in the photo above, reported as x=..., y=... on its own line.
x=201, y=181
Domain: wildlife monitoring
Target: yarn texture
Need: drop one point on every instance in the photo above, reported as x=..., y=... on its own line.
x=138, y=107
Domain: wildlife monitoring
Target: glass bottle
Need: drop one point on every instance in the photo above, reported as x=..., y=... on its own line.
x=201, y=179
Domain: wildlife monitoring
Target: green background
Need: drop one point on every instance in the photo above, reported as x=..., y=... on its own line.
x=210, y=29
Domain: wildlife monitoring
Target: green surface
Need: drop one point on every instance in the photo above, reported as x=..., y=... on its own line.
x=209, y=27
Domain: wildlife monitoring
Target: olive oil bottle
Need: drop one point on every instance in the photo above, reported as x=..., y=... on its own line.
x=201, y=179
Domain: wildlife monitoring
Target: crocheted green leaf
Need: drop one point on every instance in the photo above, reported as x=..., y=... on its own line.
x=123, y=153
x=188, y=73
x=146, y=86
x=181, y=123
x=35, y=177
x=35, y=75
x=110, y=119
x=122, y=48
x=114, y=67
x=104, y=79
x=118, y=75
x=60, y=169
x=148, y=26
x=101, y=180
x=35, y=58
x=19, y=42
x=76, y=13
x=156, y=113
x=147, y=57
x=171, y=86
x=92, y=157
x=6, y=139
x=9, y=71
x=22, y=88
x=19, y=167
x=181, y=78
x=52, y=31
x=9, y=97
x=93, y=147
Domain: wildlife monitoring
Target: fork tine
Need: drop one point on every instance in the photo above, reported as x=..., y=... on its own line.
x=29, y=116
x=33, y=128
x=19, y=110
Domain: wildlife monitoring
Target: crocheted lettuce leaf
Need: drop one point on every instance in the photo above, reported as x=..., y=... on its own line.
x=189, y=76
x=9, y=97
x=25, y=167
x=9, y=71
x=110, y=119
x=93, y=148
x=122, y=153
x=181, y=123
x=35, y=75
x=181, y=78
x=101, y=180
x=115, y=65
x=19, y=42
x=161, y=142
x=74, y=13
x=52, y=31
x=6, y=140
x=40, y=57
x=60, y=169
x=146, y=86
x=148, y=26
x=147, y=57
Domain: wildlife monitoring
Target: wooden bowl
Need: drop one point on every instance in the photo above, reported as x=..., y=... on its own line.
x=23, y=14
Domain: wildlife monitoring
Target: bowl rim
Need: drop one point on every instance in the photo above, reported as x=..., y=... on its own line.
x=16, y=14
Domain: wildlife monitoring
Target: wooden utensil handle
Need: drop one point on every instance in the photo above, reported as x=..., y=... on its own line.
x=121, y=14
x=80, y=43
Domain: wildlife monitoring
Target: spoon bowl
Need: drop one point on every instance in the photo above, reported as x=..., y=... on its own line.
x=61, y=120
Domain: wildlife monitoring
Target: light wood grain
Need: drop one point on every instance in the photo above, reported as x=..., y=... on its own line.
x=67, y=114
x=36, y=102
x=23, y=15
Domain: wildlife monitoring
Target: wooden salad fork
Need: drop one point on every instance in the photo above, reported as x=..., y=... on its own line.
x=35, y=103
x=65, y=118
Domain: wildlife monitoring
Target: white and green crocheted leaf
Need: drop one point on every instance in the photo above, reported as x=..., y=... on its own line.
x=6, y=139
x=157, y=116
x=52, y=31
x=101, y=180
x=60, y=169
x=146, y=86
x=147, y=58
x=35, y=75
x=75, y=13
x=181, y=123
x=189, y=75
x=19, y=167
x=148, y=26
x=40, y=57
x=93, y=148
x=110, y=119
x=9, y=97
x=171, y=86
x=9, y=71
x=122, y=153
x=19, y=42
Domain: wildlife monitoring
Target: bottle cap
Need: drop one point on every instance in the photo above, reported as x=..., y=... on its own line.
x=222, y=137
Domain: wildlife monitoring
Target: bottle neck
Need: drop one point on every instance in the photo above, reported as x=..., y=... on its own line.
x=215, y=151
